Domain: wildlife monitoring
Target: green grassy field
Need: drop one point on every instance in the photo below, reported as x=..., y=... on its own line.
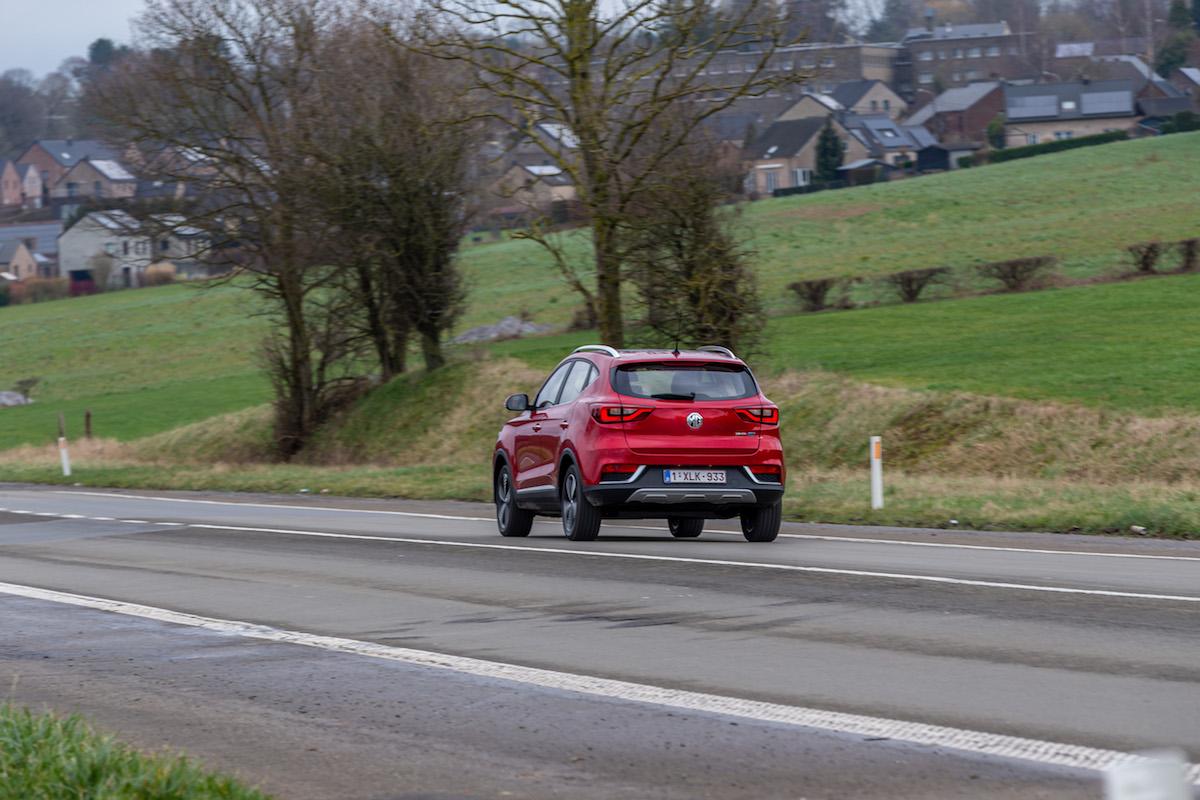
x=1083, y=206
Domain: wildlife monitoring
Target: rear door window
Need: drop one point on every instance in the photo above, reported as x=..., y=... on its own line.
x=685, y=381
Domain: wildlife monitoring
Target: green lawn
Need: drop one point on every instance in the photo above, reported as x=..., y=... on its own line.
x=142, y=361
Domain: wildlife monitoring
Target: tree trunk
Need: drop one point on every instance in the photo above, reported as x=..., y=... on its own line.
x=431, y=349
x=608, y=283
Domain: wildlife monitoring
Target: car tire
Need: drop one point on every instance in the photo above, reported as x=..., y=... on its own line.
x=580, y=519
x=761, y=524
x=511, y=521
x=685, y=527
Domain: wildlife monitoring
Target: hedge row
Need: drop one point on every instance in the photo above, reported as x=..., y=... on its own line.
x=1013, y=275
x=1026, y=151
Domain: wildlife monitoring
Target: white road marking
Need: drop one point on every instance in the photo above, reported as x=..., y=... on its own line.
x=275, y=505
x=709, y=561
x=990, y=744
x=854, y=539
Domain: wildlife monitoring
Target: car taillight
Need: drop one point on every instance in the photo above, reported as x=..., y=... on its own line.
x=767, y=415
x=610, y=414
x=617, y=472
x=768, y=472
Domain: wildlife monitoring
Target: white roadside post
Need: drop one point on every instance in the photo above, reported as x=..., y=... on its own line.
x=63, y=455
x=1153, y=776
x=876, y=473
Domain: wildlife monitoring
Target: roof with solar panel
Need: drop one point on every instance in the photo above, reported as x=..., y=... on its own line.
x=1065, y=101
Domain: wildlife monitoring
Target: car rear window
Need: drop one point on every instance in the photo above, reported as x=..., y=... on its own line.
x=685, y=381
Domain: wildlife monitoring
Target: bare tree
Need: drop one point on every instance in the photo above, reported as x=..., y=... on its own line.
x=608, y=73
x=219, y=95
x=395, y=183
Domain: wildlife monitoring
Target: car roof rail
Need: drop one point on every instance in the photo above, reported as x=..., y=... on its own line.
x=598, y=348
x=714, y=348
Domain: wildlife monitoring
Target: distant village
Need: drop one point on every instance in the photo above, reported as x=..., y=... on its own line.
x=81, y=213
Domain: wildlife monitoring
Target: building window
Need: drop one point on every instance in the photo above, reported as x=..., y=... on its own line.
x=958, y=52
x=887, y=105
x=925, y=55
x=801, y=177
x=1013, y=50
x=125, y=247
x=956, y=77
x=827, y=61
x=1060, y=135
x=1068, y=105
x=974, y=75
x=941, y=55
x=72, y=189
x=975, y=52
x=1031, y=138
x=788, y=66
x=874, y=105
x=925, y=77
x=771, y=179
x=993, y=51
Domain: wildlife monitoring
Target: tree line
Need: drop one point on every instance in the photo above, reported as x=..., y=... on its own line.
x=330, y=153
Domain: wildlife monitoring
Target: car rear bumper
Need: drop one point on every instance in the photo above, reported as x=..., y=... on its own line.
x=646, y=495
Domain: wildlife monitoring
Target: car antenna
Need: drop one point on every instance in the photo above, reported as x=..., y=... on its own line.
x=678, y=330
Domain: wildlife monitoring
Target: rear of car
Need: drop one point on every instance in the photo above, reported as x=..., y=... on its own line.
x=682, y=436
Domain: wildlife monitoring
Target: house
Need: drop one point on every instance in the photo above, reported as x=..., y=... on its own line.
x=53, y=157
x=31, y=186
x=105, y=247
x=960, y=117
x=102, y=179
x=785, y=155
x=1187, y=80
x=40, y=237
x=10, y=184
x=888, y=141
x=869, y=97
x=1044, y=112
x=17, y=261
x=811, y=104
x=535, y=187
x=939, y=57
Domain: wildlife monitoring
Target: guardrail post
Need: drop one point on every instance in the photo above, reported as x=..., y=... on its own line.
x=63, y=455
x=876, y=452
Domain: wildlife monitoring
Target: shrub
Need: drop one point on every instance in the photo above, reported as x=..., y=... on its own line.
x=158, y=277
x=910, y=283
x=814, y=293
x=1008, y=154
x=1145, y=256
x=966, y=161
x=5, y=297
x=1016, y=273
x=37, y=290
x=1189, y=254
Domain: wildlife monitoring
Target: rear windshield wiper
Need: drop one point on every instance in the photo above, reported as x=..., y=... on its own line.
x=670, y=396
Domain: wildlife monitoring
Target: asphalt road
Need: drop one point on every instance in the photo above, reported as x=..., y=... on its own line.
x=467, y=665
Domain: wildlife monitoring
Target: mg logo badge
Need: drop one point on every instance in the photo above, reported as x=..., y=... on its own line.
x=694, y=420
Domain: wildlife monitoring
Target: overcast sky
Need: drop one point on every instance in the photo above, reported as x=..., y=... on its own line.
x=39, y=34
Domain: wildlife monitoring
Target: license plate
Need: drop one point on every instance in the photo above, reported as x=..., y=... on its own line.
x=693, y=476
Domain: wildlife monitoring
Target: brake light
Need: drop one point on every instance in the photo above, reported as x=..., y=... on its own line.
x=767, y=415
x=768, y=472
x=611, y=414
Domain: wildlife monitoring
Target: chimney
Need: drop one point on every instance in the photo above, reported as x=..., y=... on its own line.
x=929, y=19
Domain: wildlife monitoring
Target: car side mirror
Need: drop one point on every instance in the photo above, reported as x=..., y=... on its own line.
x=517, y=402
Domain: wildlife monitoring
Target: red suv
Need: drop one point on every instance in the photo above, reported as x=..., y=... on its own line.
x=681, y=436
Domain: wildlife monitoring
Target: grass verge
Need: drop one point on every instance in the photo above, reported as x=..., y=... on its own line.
x=45, y=756
x=976, y=502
